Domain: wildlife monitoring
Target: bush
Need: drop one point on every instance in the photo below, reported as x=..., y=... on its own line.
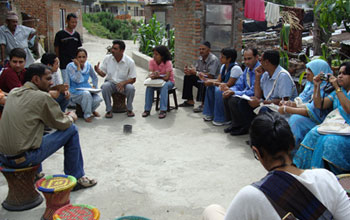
x=103, y=24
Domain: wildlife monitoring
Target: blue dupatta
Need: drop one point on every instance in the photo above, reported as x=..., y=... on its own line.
x=225, y=75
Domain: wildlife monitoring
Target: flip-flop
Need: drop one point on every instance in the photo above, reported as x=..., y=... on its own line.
x=130, y=113
x=145, y=114
x=83, y=183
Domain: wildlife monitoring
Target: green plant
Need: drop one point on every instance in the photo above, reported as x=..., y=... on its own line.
x=284, y=43
x=333, y=11
x=154, y=34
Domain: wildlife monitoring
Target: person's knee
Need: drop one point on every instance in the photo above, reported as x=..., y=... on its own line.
x=129, y=89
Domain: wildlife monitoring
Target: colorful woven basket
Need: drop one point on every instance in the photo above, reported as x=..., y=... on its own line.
x=56, y=183
x=344, y=180
x=11, y=170
x=77, y=212
x=132, y=218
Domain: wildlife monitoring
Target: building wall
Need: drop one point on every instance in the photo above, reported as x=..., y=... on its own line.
x=46, y=17
x=150, y=9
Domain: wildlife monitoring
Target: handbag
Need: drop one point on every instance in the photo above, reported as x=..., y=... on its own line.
x=154, y=82
x=334, y=123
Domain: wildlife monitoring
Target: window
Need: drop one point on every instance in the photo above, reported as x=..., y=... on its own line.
x=218, y=26
x=136, y=11
x=62, y=18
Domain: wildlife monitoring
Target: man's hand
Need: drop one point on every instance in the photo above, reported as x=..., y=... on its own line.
x=98, y=70
x=66, y=94
x=228, y=93
x=120, y=86
x=54, y=93
x=255, y=102
x=73, y=115
x=259, y=71
x=223, y=87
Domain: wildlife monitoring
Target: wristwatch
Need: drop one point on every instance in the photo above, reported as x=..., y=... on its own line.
x=337, y=90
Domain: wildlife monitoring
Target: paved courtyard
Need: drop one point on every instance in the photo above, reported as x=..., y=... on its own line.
x=166, y=169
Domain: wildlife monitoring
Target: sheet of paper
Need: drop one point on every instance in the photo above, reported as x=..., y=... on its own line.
x=243, y=97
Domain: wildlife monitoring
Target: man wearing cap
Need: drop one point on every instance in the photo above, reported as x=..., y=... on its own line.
x=13, y=36
x=208, y=65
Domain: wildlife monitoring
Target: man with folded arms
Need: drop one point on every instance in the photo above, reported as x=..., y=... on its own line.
x=27, y=110
x=120, y=72
x=237, y=110
x=209, y=66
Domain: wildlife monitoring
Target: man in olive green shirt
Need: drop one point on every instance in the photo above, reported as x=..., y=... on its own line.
x=27, y=110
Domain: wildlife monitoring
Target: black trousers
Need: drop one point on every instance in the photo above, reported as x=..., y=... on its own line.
x=189, y=82
x=239, y=112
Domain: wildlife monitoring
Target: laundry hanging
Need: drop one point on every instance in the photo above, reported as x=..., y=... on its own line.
x=272, y=12
x=255, y=9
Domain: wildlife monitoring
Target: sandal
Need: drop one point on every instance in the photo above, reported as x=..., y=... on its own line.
x=83, y=183
x=109, y=115
x=96, y=114
x=130, y=113
x=162, y=114
x=89, y=119
x=186, y=104
x=146, y=114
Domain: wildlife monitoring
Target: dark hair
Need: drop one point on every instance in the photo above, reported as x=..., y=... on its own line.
x=71, y=15
x=230, y=53
x=81, y=50
x=120, y=43
x=35, y=69
x=48, y=58
x=272, y=56
x=18, y=52
x=206, y=43
x=271, y=133
x=255, y=51
x=347, y=67
x=164, y=52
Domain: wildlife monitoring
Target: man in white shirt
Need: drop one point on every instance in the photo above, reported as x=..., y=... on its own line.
x=13, y=35
x=120, y=73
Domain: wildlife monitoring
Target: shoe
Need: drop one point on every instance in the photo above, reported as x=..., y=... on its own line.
x=228, y=129
x=146, y=114
x=109, y=115
x=38, y=176
x=83, y=183
x=96, y=114
x=162, y=114
x=240, y=131
x=186, y=104
x=208, y=118
x=89, y=119
x=216, y=123
x=130, y=113
x=199, y=109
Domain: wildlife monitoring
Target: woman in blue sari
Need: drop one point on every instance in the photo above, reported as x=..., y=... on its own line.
x=229, y=73
x=324, y=145
x=79, y=72
x=304, y=115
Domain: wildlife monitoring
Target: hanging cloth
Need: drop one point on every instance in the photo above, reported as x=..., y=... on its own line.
x=254, y=9
x=272, y=12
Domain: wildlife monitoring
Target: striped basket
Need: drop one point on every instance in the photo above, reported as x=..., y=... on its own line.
x=77, y=212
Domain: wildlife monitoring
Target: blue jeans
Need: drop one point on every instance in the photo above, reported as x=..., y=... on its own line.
x=62, y=101
x=214, y=104
x=163, y=96
x=73, y=158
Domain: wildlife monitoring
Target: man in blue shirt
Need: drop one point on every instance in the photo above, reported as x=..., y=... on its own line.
x=237, y=109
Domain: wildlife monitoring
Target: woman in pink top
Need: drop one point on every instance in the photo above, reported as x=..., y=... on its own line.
x=160, y=67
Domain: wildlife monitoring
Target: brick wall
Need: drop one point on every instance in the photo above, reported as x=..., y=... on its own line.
x=188, y=16
x=46, y=16
x=168, y=9
x=189, y=28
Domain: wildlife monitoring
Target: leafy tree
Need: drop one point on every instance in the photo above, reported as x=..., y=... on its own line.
x=333, y=11
x=283, y=2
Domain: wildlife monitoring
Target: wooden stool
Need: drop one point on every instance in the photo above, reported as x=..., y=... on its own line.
x=119, y=105
x=56, y=190
x=22, y=194
x=171, y=91
x=76, y=211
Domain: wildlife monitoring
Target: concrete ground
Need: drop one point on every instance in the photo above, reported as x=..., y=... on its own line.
x=166, y=169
